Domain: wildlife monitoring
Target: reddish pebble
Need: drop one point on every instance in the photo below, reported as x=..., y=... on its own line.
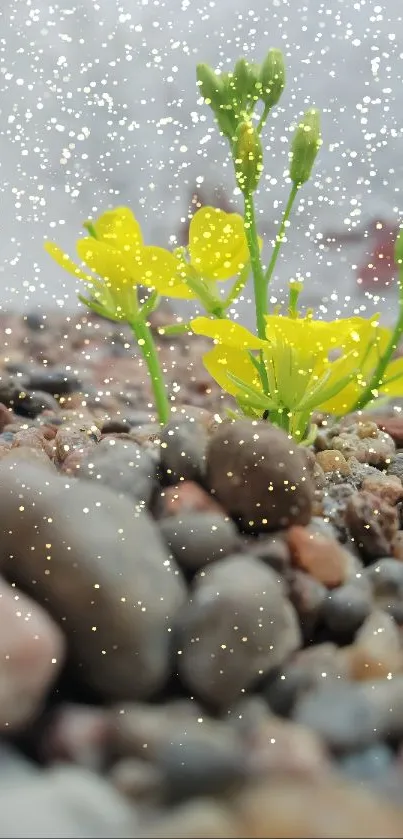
x=320, y=556
x=187, y=497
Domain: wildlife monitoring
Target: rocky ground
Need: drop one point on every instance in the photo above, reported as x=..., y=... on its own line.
x=201, y=629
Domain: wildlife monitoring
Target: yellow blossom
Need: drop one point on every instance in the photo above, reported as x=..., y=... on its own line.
x=309, y=364
x=120, y=261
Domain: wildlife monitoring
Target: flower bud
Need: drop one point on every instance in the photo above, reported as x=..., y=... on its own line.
x=305, y=146
x=216, y=93
x=399, y=248
x=248, y=157
x=272, y=78
x=244, y=85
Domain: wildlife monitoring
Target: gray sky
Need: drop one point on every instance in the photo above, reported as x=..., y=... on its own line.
x=99, y=107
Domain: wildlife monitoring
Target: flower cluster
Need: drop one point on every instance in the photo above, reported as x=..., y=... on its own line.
x=295, y=363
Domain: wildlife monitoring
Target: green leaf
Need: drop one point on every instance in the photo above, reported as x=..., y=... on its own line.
x=253, y=396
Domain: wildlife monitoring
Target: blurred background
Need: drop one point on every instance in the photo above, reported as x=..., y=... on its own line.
x=99, y=107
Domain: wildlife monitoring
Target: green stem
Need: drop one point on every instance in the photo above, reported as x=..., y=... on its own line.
x=211, y=303
x=376, y=379
x=256, y=265
x=142, y=333
x=280, y=235
x=175, y=329
x=259, y=285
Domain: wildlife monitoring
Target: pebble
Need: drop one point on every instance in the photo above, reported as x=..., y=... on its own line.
x=321, y=808
x=362, y=440
x=259, y=476
x=323, y=558
x=388, y=487
x=372, y=524
x=331, y=460
x=351, y=716
x=31, y=403
x=205, y=818
x=32, y=653
x=369, y=764
x=393, y=426
x=308, y=596
x=123, y=466
x=305, y=673
x=272, y=549
x=79, y=734
x=63, y=802
x=188, y=497
x=183, y=446
x=196, y=539
x=237, y=628
x=111, y=586
x=396, y=466
x=377, y=651
x=347, y=607
x=53, y=381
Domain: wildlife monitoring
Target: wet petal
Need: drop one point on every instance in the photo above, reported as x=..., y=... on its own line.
x=114, y=267
x=120, y=229
x=223, y=360
x=226, y=332
x=159, y=269
x=217, y=243
x=65, y=262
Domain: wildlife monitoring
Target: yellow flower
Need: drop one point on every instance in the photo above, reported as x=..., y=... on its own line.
x=217, y=251
x=110, y=253
x=309, y=364
x=115, y=252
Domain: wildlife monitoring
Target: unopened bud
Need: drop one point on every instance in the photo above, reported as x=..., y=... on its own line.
x=305, y=146
x=244, y=84
x=216, y=93
x=248, y=157
x=272, y=78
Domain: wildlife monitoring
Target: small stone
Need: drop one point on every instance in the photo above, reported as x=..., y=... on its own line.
x=123, y=466
x=53, y=381
x=6, y=416
x=372, y=524
x=364, y=441
x=388, y=487
x=79, y=734
x=68, y=440
x=347, y=607
x=354, y=715
x=259, y=476
x=396, y=547
x=277, y=746
x=368, y=764
x=62, y=802
x=393, y=426
x=34, y=438
x=208, y=762
x=115, y=425
x=112, y=587
x=386, y=577
x=325, y=559
x=396, y=466
x=188, y=497
x=237, y=628
x=305, y=673
x=308, y=596
x=334, y=502
x=332, y=460
x=141, y=730
x=138, y=780
x=183, y=446
x=272, y=549
x=197, y=539
x=208, y=818
x=31, y=403
x=31, y=655
x=376, y=652
x=319, y=807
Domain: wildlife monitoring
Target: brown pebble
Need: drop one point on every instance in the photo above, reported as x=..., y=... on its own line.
x=372, y=523
x=325, y=559
x=332, y=460
x=388, y=487
x=187, y=497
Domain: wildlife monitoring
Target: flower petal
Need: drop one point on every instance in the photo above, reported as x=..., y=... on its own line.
x=114, y=267
x=226, y=332
x=223, y=360
x=393, y=380
x=119, y=228
x=162, y=270
x=65, y=262
x=217, y=243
